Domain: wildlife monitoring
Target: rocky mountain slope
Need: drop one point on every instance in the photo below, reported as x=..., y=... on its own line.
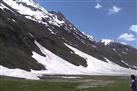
x=37, y=41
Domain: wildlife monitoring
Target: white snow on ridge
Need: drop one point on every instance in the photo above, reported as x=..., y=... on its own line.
x=106, y=41
x=25, y=10
x=58, y=21
x=32, y=3
x=55, y=21
x=31, y=14
x=89, y=36
x=28, y=2
x=19, y=73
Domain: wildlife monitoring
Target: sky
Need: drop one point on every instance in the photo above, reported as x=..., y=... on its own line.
x=103, y=19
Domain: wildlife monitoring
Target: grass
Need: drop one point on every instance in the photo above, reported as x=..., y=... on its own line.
x=12, y=84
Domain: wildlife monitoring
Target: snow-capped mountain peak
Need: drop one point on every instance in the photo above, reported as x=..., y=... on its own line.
x=107, y=41
x=25, y=3
x=34, y=11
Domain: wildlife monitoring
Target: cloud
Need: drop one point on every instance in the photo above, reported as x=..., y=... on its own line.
x=98, y=6
x=127, y=37
x=114, y=10
x=133, y=28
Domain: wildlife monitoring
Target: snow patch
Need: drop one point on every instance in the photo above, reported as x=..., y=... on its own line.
x=13, y=20
x=101, y=67
x=54, y=64
x=93, y=46
x=125, y=63
x=89, y=36
x=123, y=43
x=19, y=73
x=124, y=52
x=51, y=31
x=127, y=49
x=31, y=35
x=58, y=21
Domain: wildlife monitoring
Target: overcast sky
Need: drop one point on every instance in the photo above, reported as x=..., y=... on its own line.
x=103, y=19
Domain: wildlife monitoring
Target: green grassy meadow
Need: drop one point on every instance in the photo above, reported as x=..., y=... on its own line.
x=89, y=83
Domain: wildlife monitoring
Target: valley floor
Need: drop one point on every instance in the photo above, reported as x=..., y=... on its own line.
x=66, y=83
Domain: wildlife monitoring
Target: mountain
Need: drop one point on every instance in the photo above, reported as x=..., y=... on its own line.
x=34, y=41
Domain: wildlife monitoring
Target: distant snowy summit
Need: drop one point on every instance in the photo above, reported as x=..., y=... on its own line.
x=89, y=37
x=107, y=41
